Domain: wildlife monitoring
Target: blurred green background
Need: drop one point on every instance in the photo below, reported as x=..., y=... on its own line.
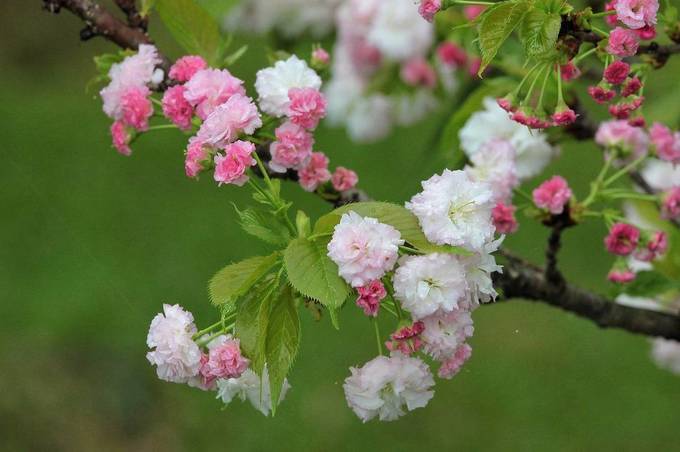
x=92, y=243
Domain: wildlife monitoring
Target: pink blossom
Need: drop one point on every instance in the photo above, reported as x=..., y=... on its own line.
x=552, y=195
x=646, y=33
x=418, y=72
x=656, y=246
x=471, y=12
x=176, y=108
x=306, y=107
x=600, y=94
x=503, y=217
x=622, y=110
x=407, y=339
x=136, y=107
x=186, y=67
x=451, y=366
x=564, y=116
x=292, y=148
x=209, y=88
x=121, y=138
x=451, y=55
x=569, y=71
x=315, y=173
x=670, y=209
x=474, y=65
x=506, y=103
x=616, y=72
x=666, y=142
x=344, y=179
x=224, y=360
x=622, y=239
x=428, y=8
x=620, y=134
x=320, y=57
x=231, y=167
x=631, y=86
x=237, y=115
x=370, y=296
x=621, y=276
x=637, y=122
x=610, y=19
x=623, y=42
x=196, y=154
x=637, y=13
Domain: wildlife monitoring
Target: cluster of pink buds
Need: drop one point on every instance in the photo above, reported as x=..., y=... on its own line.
x=670, y=208
x=618, y=74
x=626, y=240
x=407, y=339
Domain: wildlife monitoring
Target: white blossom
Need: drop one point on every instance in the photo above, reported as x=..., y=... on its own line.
x=369, y=118
x=479, y=268
x=273, y=83
x=411, y=108
x=454, y=210
x=666, y=354
x=532, y=150
x=251, y=387
x=494, y=164
x=661, y=175
x=176, y=356
x=430, y=283
x=384, y=386
x=446, y=331
x=363, y=248
x=399, y=32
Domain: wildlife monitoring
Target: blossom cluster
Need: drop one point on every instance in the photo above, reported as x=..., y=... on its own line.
x=438, y=290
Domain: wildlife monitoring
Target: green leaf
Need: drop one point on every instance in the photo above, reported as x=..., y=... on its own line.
x=649, y=284
x=235, y=56
x=236, y=279
x=302, y=224
x=252, y=322
x=395, y=215
x=192, y=26
x=218, y=8
x=147, y=6
x=539, y=32
x=312, y=273
x=264, y=225
x=497, y=25
x=283, y=340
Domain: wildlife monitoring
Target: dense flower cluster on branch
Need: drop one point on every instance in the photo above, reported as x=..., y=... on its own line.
x=429, y=263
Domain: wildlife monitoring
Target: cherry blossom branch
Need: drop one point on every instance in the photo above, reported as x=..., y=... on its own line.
x=134, y=18
x=101, y=22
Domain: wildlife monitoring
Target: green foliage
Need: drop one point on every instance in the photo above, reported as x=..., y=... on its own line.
x=146, y=7
x=539, y=32
x=193, y=28
x=302, y=224
x=496, y=25
x=218, y=8
x=235, y=56
x=283, y=340
x=650, y=284
x=236, y=279
x=103, y=64
x=312, y=273
x=264, y=225
x=394, y=215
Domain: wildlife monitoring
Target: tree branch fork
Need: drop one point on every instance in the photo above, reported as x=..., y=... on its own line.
x=519, y=280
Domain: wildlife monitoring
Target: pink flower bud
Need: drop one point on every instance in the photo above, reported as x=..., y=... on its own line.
x=616, y=72
x=600, y=94
x=176, y=108
x=552, y=195
x=503, y=217
x=451, y=55
x=344, y=179
x=670, y=209
x=564, y=116
x=418, y=72
x=231, y=167
x=569, y=71
x=471, y=12
x=622, y=239
x=315, y=173
x=631, y=86
x=121, y=138
x=320, y=57
x=186, y=67
x=370, y=296
x=428, y=8
x=621, y=276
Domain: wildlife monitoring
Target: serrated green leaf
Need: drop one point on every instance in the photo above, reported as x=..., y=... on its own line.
x=283, y=340
x=302, y=224
x=264, y=225
x=312, y=273
x=335, y=318
x=236, y=279
x=396, y=216
x=539, y=32
x=192, y=27
x=497, y=25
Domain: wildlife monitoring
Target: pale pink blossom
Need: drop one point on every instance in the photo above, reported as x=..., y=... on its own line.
x=620, y=134
x=209, y=88
x=503, y=217
x=121, y=138
x=320, y=57
x=224, y=360
x=370, y=297
x=176, y=108
x=452, y=365
x=136, y=107
x=622, y=239
x=237, y=115
x=186, y=67
x=552, y=195
x=623, y=42
x=315, y=172
x=428, y=8
x=344, y=179
x=418, y=72
x=445, y=332
x=231, y=167
x=306, y=107
x=666, y=142
x=292, y=148
x=670, y=209
x=637, y=13
x=196, y=154
x=363, y=248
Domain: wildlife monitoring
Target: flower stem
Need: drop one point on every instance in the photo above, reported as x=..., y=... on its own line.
x=376, y=327
x=466, y=2
x=623, y=171
x=604, y=13
x=161, y=127
x=578, y=58
x=597, y=184
x=206, y=330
